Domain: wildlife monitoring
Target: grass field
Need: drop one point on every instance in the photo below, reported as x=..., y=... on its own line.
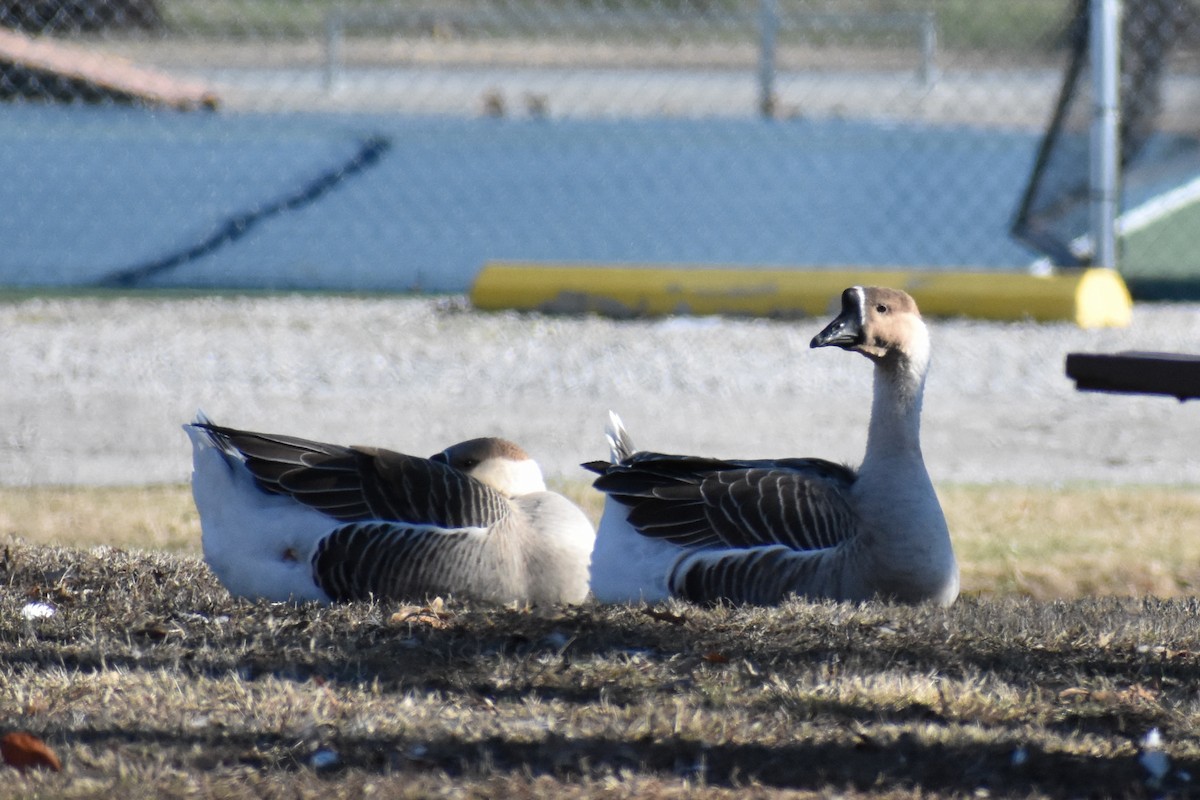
x=1161, y=260
x=1011, y=540
x=149, y=681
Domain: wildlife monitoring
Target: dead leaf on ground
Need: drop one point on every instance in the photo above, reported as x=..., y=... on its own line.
x=665, y=616
x=25, y=751
x=1167, y=653
x=1139, y=692
x=152, y=629
x=433, y=615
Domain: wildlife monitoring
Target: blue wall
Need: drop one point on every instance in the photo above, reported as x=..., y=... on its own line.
x=360, y=202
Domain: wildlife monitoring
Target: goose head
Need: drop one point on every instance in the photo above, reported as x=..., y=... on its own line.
x=882, y=324
x=497, y=463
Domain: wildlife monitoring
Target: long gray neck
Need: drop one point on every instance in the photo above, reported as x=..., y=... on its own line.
x=908, y=540
x=895, y=429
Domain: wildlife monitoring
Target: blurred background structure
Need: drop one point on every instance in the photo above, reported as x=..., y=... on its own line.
x=401, y=144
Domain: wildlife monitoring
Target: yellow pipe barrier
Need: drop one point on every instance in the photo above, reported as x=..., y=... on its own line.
x=1090, y=298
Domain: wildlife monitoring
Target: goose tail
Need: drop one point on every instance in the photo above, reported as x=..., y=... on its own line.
x=259, y=545
x=620, y=445
x=205, y=436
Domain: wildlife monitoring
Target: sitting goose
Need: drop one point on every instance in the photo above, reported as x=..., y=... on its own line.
x=287, y=518
x=757, y=531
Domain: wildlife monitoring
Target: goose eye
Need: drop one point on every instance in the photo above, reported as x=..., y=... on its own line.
x=881, y=308
x=468, y=464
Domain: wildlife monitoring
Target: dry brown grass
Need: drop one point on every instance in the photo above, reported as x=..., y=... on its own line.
x=149, y=681
x=1044, y=543
x=1078, y=541
x=143, y=517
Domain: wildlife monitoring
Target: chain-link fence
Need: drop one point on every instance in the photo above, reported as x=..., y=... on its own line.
x=401, y=144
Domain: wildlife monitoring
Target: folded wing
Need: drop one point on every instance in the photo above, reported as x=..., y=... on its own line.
x=700, y=502
x=356, y=484
x=386, y=559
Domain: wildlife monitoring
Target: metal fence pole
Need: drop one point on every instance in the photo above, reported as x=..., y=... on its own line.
x=768, y=29
x=334, y=32
x=927, y=73
x=1105, y=41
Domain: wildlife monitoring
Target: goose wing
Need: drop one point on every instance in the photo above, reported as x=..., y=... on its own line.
x=768, y=575
x=355, y=484
x=700, y=502
x=405, y=562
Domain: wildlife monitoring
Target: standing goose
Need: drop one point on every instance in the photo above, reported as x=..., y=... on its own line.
x=287, y=518
x=757, y=531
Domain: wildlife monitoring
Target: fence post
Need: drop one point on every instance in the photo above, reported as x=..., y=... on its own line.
x=334, y=32
x=768, y=28
x=927, y=73
x=1104, y=40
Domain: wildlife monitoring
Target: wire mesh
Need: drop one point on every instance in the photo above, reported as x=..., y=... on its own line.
x=1159, y=147
x=400, y=144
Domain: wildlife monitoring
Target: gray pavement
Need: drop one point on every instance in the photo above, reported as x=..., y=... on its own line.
x=95, y=389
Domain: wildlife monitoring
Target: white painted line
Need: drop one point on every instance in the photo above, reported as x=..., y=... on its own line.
x=1163, y=205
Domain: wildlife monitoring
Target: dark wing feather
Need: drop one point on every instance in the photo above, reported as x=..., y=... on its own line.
x=269, y=456
x=702, y=502
x=389, y=561
x=356, y=484
x=758, y=575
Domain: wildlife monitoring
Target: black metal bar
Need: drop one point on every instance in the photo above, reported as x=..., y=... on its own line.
x=1173, y=374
